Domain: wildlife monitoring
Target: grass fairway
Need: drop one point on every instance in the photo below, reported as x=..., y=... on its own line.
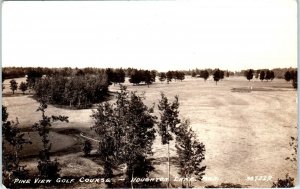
x=246, y=132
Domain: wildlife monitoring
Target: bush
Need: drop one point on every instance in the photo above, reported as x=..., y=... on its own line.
x=49, y=169
x=87, y=147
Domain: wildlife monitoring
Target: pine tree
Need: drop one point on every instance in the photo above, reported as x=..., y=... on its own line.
x=162, y=76
x=139, y=137
x=262, y=75
x=147, y=77
x=47, y=168
x=205, y=75
x=217, y=75
x=268, y=75
x=170, y=76
x=153, y=75
x=13, y=85
x=190, y=152
x=249, y=74
x=23, y=87
x=272, y=75
x=168, y=122
x=13, y=138
x=105, y=126
x=126, y=133
x=287, y=76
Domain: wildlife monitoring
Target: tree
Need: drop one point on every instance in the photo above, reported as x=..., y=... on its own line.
x=13, y=85
x=126, y=134
x=117, y=76
x=221, y=74
x=147, y=77
x=110, y=75
x=268, y=75
x=162, y=76
x=169, y=76
x=14, y=139
x=179, y=75
x=153, y=75
x=295, y=80
x=33, y=75
x=205, y=75
x=168, y=122
x=47, y=168
x=194, y=74
x=140, y=138
x=76, y=91
x=23, y=87
x=79, y=72
x=217, y=75
x=135, y=77
x=249, y=74
x=262, y=75
x=190, y=152
x=287, y=76
x=87, y=147
x=272, y=75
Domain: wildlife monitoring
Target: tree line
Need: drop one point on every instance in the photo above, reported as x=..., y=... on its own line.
x=17, y=72
x=289, y=75
x=169, y=76
x=278, y=73
x=78, y=91
x=142, y=76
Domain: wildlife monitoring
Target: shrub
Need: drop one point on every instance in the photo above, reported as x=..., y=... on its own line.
x=87, y=147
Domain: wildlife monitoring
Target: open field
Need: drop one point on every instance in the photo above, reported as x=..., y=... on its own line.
x=245, y=132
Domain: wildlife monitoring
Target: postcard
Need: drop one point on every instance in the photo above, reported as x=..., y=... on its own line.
x=149, y=94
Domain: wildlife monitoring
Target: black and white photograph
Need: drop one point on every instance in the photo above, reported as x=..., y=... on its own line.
x=149, y=94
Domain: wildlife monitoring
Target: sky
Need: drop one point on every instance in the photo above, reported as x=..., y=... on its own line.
x=161, y=35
